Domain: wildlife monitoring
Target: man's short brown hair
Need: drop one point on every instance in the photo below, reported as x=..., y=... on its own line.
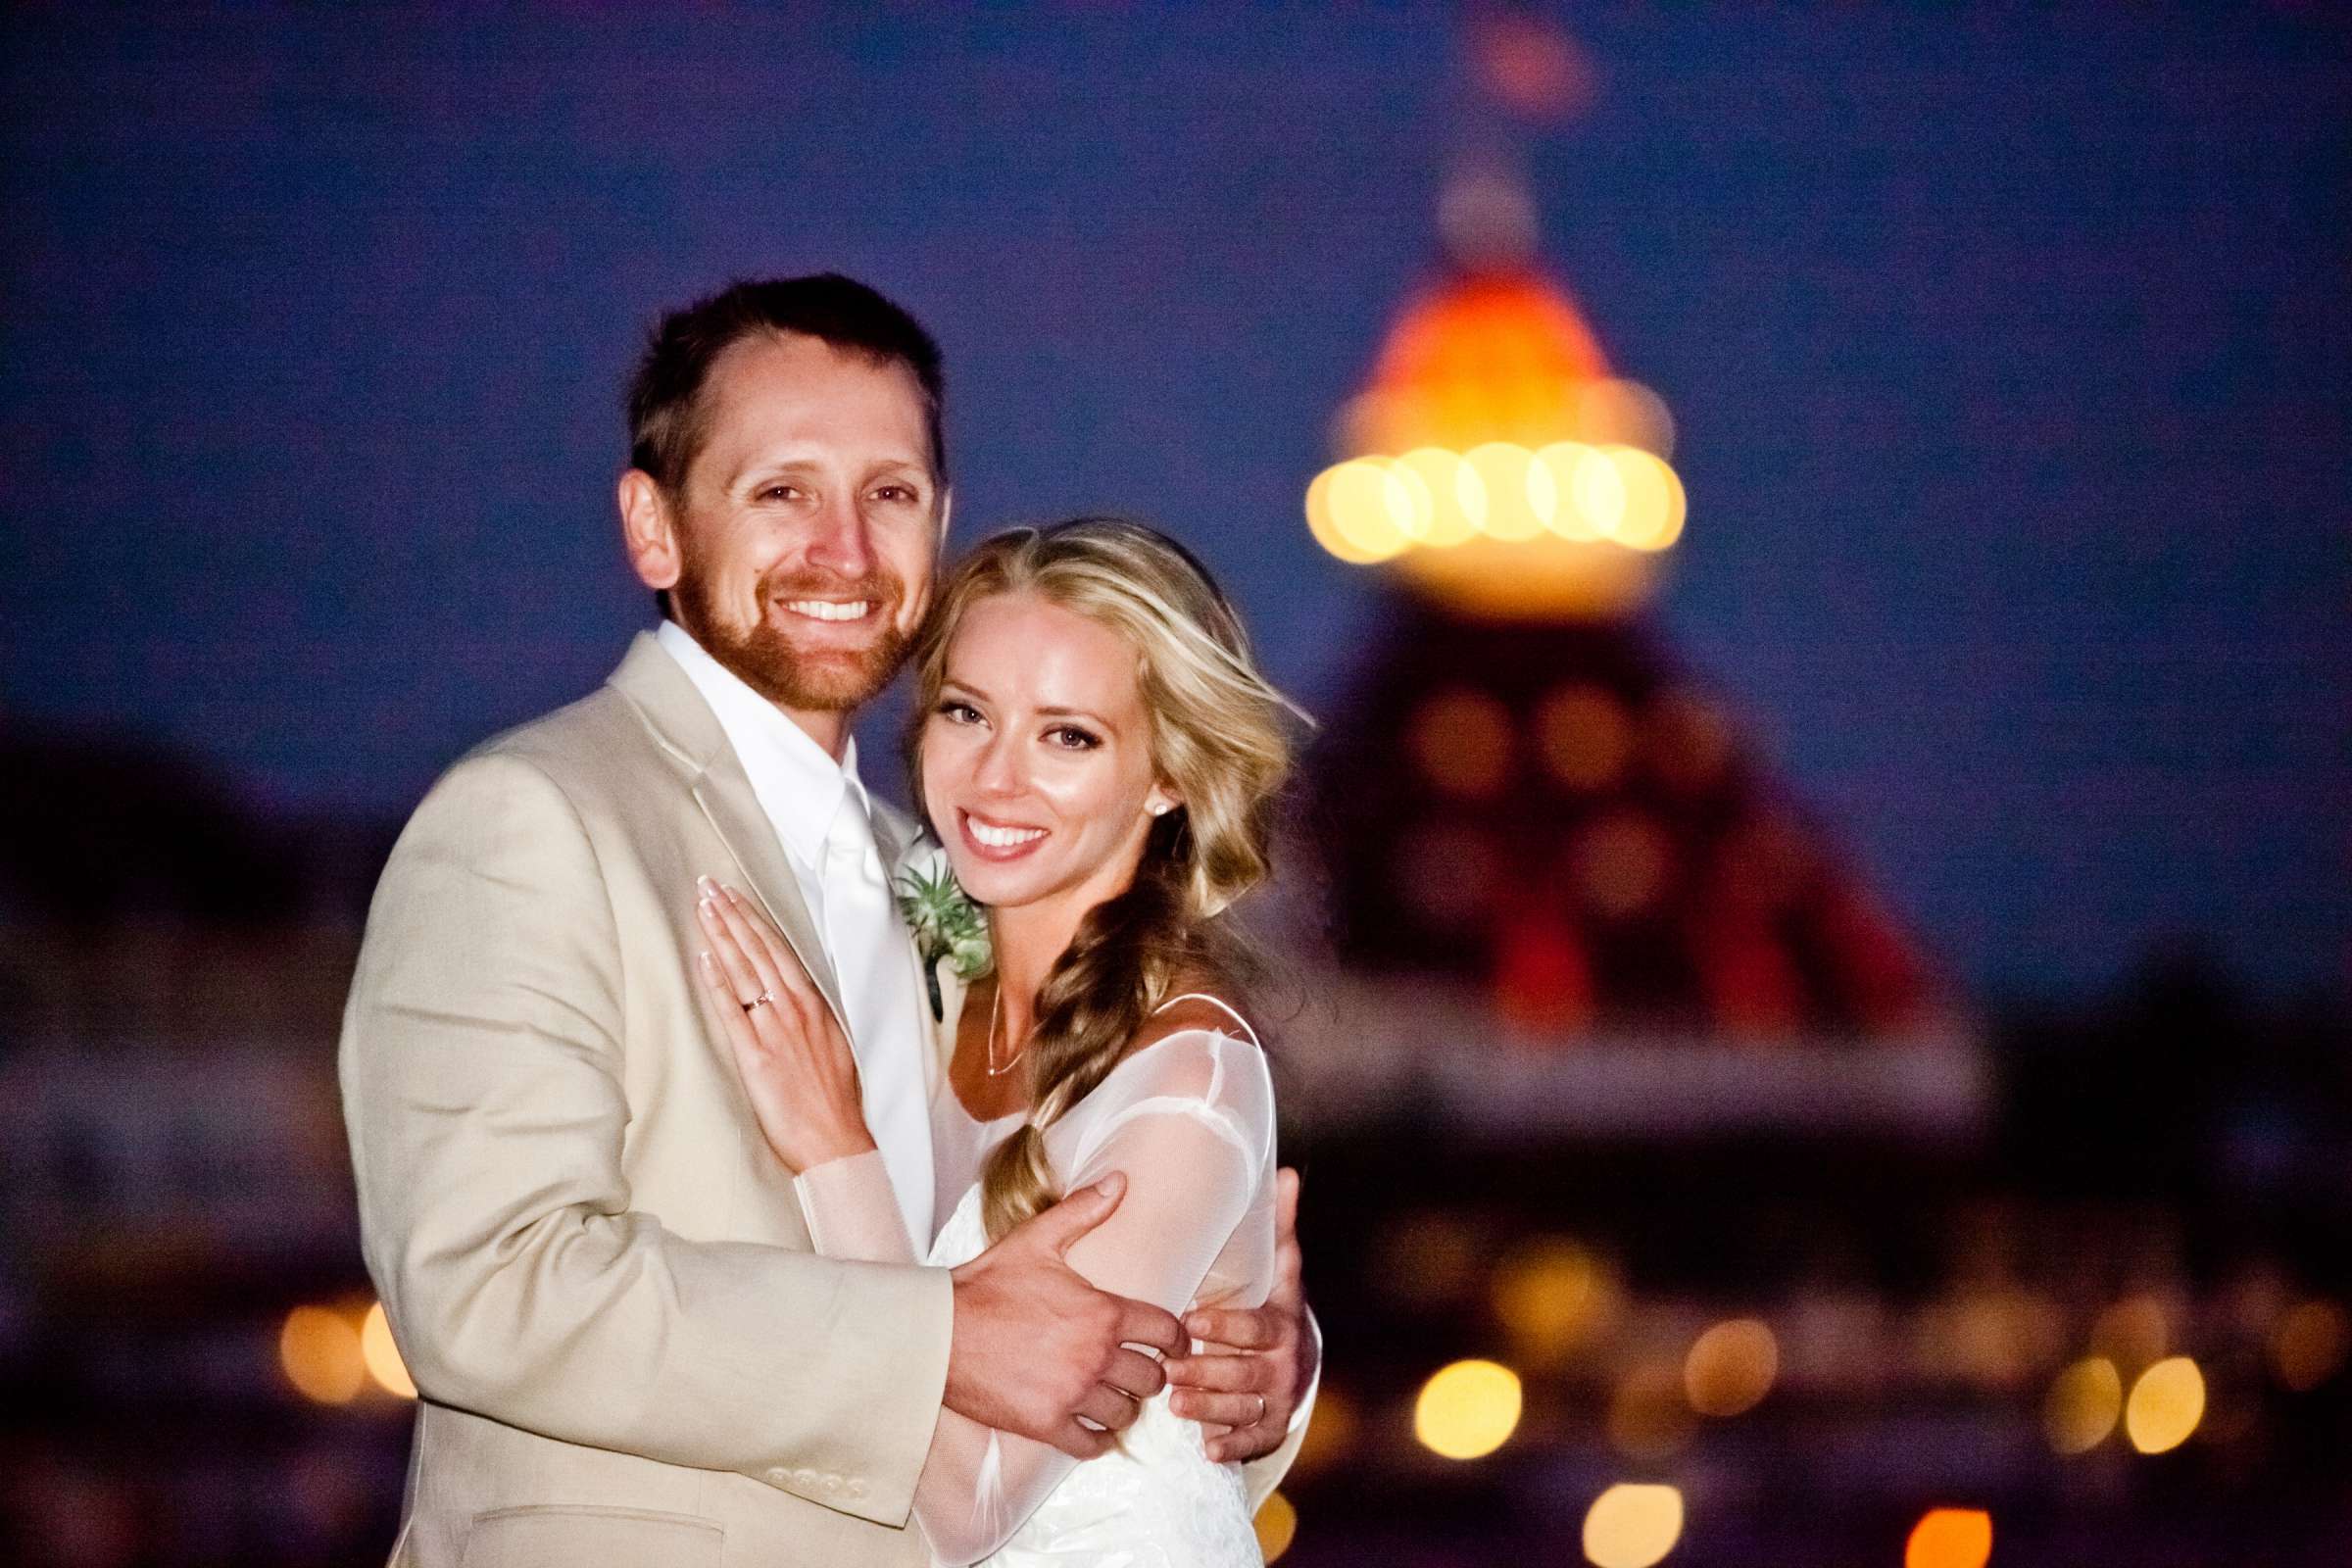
x=666, y=395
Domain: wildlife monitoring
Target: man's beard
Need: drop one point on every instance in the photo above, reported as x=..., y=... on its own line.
x=829, y=682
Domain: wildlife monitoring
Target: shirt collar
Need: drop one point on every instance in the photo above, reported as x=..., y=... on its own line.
x=798, y=785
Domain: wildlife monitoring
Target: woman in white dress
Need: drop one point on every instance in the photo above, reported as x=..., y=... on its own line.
x=1099, y=758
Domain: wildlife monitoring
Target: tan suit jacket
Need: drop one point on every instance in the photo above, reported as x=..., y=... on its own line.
x=596, y=1270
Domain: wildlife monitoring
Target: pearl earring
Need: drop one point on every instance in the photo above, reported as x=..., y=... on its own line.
x=1158, y=807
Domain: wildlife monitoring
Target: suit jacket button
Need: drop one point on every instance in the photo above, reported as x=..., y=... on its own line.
x=832, y=1482
x=856, y=1487
x=778, y=1474
x=806, y=1477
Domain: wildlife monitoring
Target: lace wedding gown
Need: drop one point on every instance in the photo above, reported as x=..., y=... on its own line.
x=1190, y=1119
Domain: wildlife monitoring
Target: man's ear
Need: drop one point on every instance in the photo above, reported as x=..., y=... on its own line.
x=648, y=531
x=939, y=546
x=920, y=602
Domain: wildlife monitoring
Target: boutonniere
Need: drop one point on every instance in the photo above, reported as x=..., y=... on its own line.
x=945, y=921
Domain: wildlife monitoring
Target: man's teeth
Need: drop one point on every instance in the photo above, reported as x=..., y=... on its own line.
x=828, y=610
x=1002, y=838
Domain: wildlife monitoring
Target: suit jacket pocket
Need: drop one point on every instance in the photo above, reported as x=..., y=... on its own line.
x=569, y=1536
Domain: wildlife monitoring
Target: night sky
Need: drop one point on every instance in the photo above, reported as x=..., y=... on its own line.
x=2010, y=356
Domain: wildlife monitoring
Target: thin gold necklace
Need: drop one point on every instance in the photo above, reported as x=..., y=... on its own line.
x=996, y=1011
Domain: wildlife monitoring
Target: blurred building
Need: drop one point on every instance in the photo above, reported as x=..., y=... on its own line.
x=1530, y=816
x=173, y=1184
x=1680, y=1205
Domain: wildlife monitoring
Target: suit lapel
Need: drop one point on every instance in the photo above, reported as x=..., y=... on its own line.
x=895, y=833
x=684, y=725
x=952, y=991
x=724, y=793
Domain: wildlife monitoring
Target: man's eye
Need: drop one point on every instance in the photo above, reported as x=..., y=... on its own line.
x=898, y=494
x=779, y=492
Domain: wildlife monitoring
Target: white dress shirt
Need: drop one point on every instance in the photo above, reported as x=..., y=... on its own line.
x=823, y=818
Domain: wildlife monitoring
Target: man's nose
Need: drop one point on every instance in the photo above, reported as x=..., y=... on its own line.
x=841, y=543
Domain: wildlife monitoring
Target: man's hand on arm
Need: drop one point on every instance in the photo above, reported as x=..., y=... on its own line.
x=1036, y=1347
x=1257, y=1363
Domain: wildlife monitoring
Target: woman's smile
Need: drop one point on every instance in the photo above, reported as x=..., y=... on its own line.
x=998, y=840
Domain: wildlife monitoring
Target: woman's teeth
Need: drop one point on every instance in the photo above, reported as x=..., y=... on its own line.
x=828, y=610
x=1002, y=838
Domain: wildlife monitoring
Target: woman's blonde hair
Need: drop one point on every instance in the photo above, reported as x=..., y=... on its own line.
x=1218, y=738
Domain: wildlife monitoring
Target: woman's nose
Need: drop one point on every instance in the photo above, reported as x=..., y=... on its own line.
x=999, y=771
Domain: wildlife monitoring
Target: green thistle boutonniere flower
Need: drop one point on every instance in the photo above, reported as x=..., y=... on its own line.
x=945, y=923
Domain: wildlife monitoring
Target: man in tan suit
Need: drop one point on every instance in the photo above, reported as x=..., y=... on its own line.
x=597, y=1272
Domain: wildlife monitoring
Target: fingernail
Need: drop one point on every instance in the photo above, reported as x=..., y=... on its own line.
x=733, y=897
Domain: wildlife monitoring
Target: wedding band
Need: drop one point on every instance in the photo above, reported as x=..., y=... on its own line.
x=1261, y=1410
x=766, y=997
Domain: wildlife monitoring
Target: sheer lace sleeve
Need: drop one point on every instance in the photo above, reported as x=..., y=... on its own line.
x=1190, y=1120
x=852, y=1211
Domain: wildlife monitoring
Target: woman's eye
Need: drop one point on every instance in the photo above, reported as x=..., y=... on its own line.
x=957, y=713
x=1070, y=738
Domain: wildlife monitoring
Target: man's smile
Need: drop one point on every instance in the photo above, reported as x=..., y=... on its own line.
x=831, y=609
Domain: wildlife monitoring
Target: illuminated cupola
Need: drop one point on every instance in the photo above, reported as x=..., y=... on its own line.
x=1524, y=792
x=1495, y=460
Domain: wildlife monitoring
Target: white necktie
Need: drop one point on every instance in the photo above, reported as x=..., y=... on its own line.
x=879, y=988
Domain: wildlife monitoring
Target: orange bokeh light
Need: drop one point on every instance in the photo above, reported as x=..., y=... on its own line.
x=1950, y=1538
